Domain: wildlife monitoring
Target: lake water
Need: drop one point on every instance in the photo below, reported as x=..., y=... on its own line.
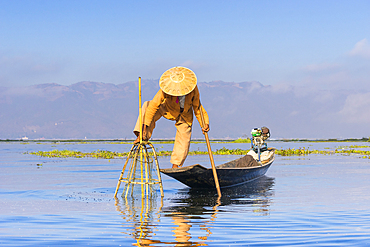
x=315, y=200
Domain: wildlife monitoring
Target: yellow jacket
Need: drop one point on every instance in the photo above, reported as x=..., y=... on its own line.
x=172, y=109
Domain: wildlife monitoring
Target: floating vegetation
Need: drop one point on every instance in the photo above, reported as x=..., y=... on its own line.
x=353, y=151
x=300, y=151
x=99, y=154
x=359, y=146
x=242, y=141
x=303, y=151
x=364, y=139
x=103, y=154
x=225, y=151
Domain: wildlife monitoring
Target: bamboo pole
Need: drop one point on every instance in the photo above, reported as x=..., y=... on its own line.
x=123, y=171
x=141, y=140
x=210, y=153
x=158, y=172
x=140, y=113
x=132, y=172
x=140, y=154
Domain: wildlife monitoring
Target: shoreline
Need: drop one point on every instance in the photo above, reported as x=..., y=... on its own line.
x=129, y=141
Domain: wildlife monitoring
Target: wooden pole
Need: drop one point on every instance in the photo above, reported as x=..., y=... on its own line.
x=210, y=154
x=140, y=149
x=123, y=171
x=141, y=141
x=140, y=112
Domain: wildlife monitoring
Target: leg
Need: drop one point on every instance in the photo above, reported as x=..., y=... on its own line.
x=182, y=143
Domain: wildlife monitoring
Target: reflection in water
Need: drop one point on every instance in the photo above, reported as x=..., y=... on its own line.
x=183, y=223
x=141, y=214
x=192, y=208
x=256, y=194
x=200, y=207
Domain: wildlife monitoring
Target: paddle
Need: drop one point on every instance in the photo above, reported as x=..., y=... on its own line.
x=210, y=154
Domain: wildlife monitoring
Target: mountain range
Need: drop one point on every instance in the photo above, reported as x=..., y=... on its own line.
x=96, y=110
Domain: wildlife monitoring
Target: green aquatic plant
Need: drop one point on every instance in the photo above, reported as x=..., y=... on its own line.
x=104, y=154
x=240, y=140
x=300, y=151
x=303, y=151
x=353, y=151
x=225, y=151
x=359, y=146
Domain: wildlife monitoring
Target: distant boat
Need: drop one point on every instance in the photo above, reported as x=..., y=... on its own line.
x=230, y=174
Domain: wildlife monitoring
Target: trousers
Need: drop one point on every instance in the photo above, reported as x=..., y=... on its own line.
x=183, y=134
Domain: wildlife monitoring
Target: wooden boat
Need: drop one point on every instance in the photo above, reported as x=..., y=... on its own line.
x=232, y=173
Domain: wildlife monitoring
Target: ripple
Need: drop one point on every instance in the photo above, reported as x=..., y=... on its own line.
x=319, y=201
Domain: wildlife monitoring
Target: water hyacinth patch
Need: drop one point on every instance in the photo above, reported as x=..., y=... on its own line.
x=104, y=154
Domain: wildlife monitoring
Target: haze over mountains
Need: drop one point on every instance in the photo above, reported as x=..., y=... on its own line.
x=95, y=110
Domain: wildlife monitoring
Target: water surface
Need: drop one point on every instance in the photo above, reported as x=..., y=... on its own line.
x=315, y=200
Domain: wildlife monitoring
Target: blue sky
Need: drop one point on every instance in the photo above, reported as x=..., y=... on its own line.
x=302, y=43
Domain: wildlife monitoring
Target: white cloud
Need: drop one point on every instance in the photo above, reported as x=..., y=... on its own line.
x=22, y=91
x=26, y=70
x=321, y=67
x=326, y=76
x=350, y=70
x=192, y=65
x=280, y=88
x=362, y=49
x=356, y=108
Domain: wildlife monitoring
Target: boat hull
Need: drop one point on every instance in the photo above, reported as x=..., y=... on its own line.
x=229, y=174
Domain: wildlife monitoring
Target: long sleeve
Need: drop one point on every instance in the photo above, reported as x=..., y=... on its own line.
x=153, y=107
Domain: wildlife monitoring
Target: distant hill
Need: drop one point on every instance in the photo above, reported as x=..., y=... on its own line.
x=98, y=110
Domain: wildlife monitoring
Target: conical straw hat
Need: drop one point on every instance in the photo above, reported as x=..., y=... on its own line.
x=178, y=81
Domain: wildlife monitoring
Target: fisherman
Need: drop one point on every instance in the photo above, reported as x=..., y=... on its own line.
x=176, y=100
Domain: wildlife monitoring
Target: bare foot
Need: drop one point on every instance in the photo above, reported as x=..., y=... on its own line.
x=175, y=166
